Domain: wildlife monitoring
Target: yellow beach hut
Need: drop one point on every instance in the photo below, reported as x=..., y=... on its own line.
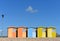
x=51, y=32
x=41, y=32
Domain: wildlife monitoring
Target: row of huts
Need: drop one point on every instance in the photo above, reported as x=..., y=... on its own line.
x=24, y=32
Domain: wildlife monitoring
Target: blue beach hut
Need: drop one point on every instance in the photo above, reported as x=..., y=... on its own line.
x=31, y=33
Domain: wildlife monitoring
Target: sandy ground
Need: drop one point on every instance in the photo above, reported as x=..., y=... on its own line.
x=30, y=39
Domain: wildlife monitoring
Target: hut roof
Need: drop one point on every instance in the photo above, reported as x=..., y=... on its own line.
x=11, y=27
x=41, y=27
x=52, y=27
x=22, y=27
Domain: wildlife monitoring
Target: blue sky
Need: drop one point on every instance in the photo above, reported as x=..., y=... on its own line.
x=30, y=13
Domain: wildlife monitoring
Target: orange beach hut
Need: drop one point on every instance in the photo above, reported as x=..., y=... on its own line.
x=11, y=32
x=22, y=32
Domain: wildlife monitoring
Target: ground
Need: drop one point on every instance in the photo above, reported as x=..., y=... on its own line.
x=30, y=39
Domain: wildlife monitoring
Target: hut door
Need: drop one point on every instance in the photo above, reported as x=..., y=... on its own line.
x=14, y=33
x=34, y=33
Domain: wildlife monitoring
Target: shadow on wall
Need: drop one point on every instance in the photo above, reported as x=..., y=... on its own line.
x=3, y=36
x=57, y=35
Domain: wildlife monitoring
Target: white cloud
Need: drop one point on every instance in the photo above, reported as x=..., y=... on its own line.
x=31, y=10
x=0, y=30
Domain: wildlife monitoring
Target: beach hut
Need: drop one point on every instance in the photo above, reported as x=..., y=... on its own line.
x=11, y=32
x=51, y=32
x=22, y=32
x=41, y=32
x=32, y=32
